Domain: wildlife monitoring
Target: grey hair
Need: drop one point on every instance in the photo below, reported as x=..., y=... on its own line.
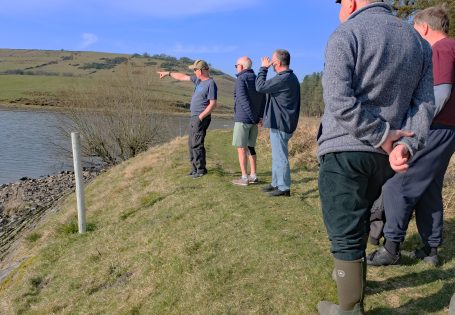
x=245, y=62
x=436, y=17
x=283, y=56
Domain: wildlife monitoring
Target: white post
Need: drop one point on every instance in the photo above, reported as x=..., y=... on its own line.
x=75, y=139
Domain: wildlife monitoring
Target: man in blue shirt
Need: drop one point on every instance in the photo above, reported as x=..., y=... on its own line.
x=203, y=102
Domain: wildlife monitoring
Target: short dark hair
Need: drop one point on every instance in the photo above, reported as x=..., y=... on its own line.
x=436, y=17
x=283, y=56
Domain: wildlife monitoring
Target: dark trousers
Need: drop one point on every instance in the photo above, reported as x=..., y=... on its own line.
x=420, y=188
x=197, y=132
x=349, y=183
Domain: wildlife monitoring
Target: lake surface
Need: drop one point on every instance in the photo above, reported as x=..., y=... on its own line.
x=28, y=142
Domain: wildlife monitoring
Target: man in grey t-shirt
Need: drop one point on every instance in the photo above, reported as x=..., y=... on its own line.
x=203, y=102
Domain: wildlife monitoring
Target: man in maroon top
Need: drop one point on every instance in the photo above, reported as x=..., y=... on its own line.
x=420, y=188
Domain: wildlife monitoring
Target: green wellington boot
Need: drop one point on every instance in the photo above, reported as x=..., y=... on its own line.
x=327, y=308
x=351, y=281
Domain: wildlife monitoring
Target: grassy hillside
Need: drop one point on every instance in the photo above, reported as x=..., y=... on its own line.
x=160, y=242
x=51, y=78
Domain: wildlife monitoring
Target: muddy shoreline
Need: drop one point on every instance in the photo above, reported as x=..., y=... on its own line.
x=25, y=202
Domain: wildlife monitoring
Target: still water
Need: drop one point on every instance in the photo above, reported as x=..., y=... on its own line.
x=28, y=142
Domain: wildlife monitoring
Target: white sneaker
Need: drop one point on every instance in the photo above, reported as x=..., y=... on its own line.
x=241, y=181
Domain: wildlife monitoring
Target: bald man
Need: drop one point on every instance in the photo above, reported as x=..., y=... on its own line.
x=248, y=110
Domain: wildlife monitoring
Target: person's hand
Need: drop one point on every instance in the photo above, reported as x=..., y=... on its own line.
x=163, y=73
x=266, y=62
x=260, y=123
x=399, y=158
x=393, y=136
x=200, y=119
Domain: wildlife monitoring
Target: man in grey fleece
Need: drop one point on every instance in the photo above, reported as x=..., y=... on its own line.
x=379, y=101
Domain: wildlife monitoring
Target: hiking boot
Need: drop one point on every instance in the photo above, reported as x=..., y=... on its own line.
x=241, y=181
x=191, y=173
x=422, y=254
x=253, y=180
x=381, y=257
x=277, y=192
x=327, y=308
x=269, y=188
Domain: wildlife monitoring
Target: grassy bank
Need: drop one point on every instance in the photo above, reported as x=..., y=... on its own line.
x=163, y=243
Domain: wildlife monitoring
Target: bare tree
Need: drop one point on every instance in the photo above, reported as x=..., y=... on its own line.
x=115, y=115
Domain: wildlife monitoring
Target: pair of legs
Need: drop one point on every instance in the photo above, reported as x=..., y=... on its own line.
x=281, y=172
x=419, y=189
x=244, y=138
x=349, y=183
x=196, y=149
x=247, y=154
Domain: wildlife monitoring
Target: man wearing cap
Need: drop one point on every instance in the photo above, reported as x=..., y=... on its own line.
x=281, y=115
x=203, y=102
x=379, y=102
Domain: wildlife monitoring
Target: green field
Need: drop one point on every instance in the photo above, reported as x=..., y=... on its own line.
x=163, y=243
x=55, y=78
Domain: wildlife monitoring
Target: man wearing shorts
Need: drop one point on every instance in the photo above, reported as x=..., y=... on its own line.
x=248, y=109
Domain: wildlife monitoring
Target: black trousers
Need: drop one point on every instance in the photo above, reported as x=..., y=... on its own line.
x=349, y=183
x=197, y=132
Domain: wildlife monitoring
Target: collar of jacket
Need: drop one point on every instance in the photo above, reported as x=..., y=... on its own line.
x=372, y=8
x=244, y=71
x=285, y=71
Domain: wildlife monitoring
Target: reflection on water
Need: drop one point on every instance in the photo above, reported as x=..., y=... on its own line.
x=27, y=142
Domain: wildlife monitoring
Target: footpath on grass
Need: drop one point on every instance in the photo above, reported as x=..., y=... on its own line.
x=160, y=242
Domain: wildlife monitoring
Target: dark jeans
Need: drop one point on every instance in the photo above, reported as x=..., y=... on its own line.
x=349, y=183
x=420, y=188
x=197, y=132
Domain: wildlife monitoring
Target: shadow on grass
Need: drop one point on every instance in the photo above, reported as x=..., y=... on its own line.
x=305, y=180
x=429, y=304
x=410, y=280
x=447, y=251
x=311, y=193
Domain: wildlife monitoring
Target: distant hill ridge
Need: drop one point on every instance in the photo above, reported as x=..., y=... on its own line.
x=45, y=77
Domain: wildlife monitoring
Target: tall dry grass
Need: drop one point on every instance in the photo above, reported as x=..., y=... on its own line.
x=449, y=190
x=302, y=153
x=302, y=146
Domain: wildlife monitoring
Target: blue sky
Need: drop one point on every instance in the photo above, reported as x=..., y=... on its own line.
x=218, y=31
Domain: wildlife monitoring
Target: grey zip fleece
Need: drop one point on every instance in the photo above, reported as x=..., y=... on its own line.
x=377, y=76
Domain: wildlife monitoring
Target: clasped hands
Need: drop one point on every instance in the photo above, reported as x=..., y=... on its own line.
x=398, y=155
